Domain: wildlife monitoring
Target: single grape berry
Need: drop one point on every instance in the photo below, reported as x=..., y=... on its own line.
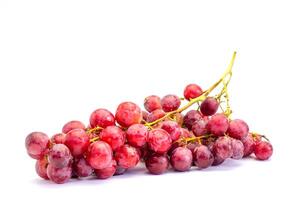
x=159, y=140
x=82, y=168
x=248, y=144
x=41, y=168
x=137, y=135
x=218, y=124
x=58, y=138
x=127, y=156
x=181, y=159
x=263, y=150
x=36, y=144
x=199, y=127
x=203, y=157
x=101, y=118
x=59, y=156
x=128, y=113
x=238, y=129
x=59, y=175
x=157, y=164
x=192, y=91
x=107, y=172
x=209, y=106
x=170, y=103
x=155, y=115
x=191, y=117
x=152, y=103
x=223, y=147
x=72, y=125
x=77, y=141
x=172, y=128
x=99, y=155
x=238, y=149
x=114, y=136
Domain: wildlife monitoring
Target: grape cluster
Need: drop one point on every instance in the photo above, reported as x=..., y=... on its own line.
x=162, y=136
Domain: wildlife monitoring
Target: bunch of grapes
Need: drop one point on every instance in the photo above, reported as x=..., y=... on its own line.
x=162, y=136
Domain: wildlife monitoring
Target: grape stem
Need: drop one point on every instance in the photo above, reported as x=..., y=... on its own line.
x=226, y=75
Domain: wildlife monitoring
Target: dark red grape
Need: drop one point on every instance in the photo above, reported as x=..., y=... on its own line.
x=152, y=103
x=203, y=157
x=137, y=135
x=223, y=147
x=192, y=91
x=37, y=144
x=155, y=115
x=128, y=113
x=218, y=124
x=157, y=164
x=41, y=168
x=99, y=155
x=238, y=149
x=248, y=144
x=102, y=118
x=114, y=136
x=127, y=156
x=59, y=156
x=107, y=172
x=263, y=150
x=209, y=106
x=238, y=129
x=199, y=127
x=58, y=138
x=159, y=140
x=59, y=175
x=77, y=141
x=191, y=117
x=73, y=125
x=82, y=168
x=170, y=103
x=181, y=159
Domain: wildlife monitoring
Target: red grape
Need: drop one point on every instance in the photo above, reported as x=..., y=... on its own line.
x=137, y=135
x=238, y=129
x=172, y=128
x=217, y=161
x=203, y=157
x=248, y=144
x=209, y=106
x=73, y=125
x=41, y=168
x=36, y=144
x=145, y=115
x=218, y=124
x=223, y=147
x=99, y=155
x=159, y=140
x=59, y=175
x=58, y=138
x=181, y=159
x=238, y=149
x=199, y=127
x=127, y=156
x=263, y=150
x=170, y=103
x=152, y=103
x=82, y=168
x=155, y=115
x=59, y=156
x=102, y=118
x=191, y=117
x=114, y=136
x=192, y=91
x=107, y=172
x=128, y=113
x=157, y=164
x=77, y=141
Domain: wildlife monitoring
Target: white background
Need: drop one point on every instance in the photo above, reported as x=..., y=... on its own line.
x=60, y=60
